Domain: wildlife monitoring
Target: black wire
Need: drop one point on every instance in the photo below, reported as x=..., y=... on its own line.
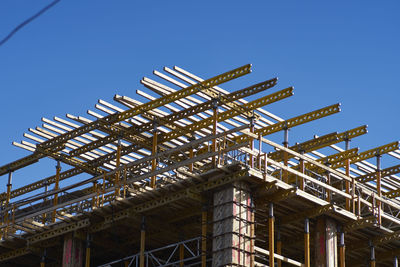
x=27, y=21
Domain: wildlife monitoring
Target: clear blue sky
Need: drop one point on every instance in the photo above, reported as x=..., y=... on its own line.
x=80, y=51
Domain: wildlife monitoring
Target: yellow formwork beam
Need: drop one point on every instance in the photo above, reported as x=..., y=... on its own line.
x=290, y=123
x=321, y=142
x=385, y=172
x=369, y=154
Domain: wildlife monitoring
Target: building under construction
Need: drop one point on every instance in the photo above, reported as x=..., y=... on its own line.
x=190, y=178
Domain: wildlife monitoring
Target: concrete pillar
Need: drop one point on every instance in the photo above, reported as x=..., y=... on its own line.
x=73, y=252
x=232, y=215
x=325, y=243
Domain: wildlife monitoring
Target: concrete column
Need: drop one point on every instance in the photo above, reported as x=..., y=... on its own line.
x=232, y=215
x=73, y=252
x=325, y=243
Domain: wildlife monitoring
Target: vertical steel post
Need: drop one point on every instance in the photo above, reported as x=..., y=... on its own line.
x=372, y=259
x=251, y=142
x=307, y=242
x=259, y=150
x=142, y=242
x=94, y=199
x=252, y=233
x=215, y=125
x=278, y=245
x=124, y=190
x=8, y=198
x=285, y=154
x=181, y=255
x=203, y=236
x=9, y=185
x=342, y=249
x=56, y=187
x=46, y=188
x=265, y=166
x=43, y=259
x=117, y=174
x=271, y=239
x=302, y=170
x=378, y=186
x=87, y=262
x=347, y=183
x=395, y=261
x=191, y=152
x=154, y=153
x=103, y=189
x=328, y=181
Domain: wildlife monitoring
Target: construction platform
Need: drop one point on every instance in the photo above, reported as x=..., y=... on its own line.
x=190, y=178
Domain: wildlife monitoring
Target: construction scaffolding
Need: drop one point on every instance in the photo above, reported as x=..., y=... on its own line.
x=190, y=178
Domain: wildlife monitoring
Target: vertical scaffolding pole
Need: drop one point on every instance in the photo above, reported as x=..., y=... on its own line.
x=372, y=249
x=153, y=153
x=203, y=236
x=191, y=152
x=347, y=183
x=285, y=154
x=9, y=185
x=252, y=233
x=124, y=189
x=278, y=245
x=103, y=189
x=271, y=221
x=56, y=187
x=43, y=259
x=87, y=261
x=307, y=242
x=8, y=198
x=215, y=125
x=46, y=188
x=251, y=142
x=328, y=181
x=118, y=173
x=302, y=170
x=378, y=186
x=259, y=151
x=94, y=199
x=342, y=249
x=142, y=242
x=181, y=255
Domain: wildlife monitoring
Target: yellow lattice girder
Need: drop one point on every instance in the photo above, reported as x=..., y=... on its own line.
x=307, y=146
x=317, y=114
x=392, y=194
x=321, y=141
x=385, y=172
x=25, y=161
x=369, y=154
